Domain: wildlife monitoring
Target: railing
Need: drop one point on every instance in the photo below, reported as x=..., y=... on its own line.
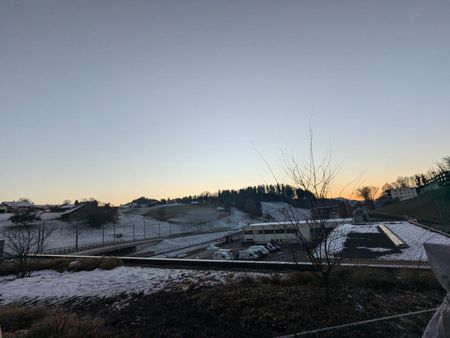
x=95, y=245
x=386, y=262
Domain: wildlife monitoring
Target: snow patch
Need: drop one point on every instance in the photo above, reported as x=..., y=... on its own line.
x=53, y=287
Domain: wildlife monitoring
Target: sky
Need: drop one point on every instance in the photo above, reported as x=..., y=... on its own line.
x=119, y=99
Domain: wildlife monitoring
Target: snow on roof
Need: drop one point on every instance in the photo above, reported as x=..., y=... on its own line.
x=73, y=209
x=18, y=204
x=412, y=235
x=67, y=206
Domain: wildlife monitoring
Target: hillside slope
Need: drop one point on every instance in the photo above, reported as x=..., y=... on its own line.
x=432, y=207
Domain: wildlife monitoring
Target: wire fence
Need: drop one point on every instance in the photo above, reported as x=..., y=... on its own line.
x=68, y=237
x=119, y=239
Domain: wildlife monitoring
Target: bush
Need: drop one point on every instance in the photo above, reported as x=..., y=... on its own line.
x=376, y=279
x=13, y=318
x=8, y=268
x=110, y=263
x=419, y=280
x=41, y=322
x=58, y=264
x=65, y=325
x=88, y=264
x=303, y=278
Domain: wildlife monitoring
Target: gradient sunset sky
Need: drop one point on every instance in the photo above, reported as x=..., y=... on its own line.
x=118, y=99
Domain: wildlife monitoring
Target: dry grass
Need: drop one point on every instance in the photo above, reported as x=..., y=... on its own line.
x=13, y=318
x=62, y=264
x=19, y=321
x=58, y=264
x=89, y=264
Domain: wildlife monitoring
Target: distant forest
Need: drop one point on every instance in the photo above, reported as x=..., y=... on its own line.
x=246, y=199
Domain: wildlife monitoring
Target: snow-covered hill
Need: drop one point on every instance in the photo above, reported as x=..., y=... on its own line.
x=139, y=224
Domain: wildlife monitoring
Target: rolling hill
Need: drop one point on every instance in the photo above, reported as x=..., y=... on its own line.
x=432, y=208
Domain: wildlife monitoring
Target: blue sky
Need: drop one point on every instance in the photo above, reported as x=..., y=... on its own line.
x=118, y=99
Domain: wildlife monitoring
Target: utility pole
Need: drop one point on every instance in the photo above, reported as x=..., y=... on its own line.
x=103, y=234
x=144, y=229
x=39, y=238
x=76, y=237
x=42, y=236
x=133, y=231
x=114, y=232
x=159, y=230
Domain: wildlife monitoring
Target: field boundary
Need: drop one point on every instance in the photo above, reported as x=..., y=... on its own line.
x=245, y=265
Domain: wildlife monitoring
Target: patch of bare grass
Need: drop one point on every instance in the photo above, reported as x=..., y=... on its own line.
x=89, y=264
x=19, y=321
x=58, y=264
x=13, y=317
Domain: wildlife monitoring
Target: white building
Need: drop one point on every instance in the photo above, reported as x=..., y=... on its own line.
x=402, y=193
x=285, y=231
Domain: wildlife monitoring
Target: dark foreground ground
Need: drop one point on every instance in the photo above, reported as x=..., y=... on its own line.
x=266, y=307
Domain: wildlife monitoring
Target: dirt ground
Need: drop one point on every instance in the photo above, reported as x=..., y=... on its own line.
x=269, y=306
x=276, y=306
x=354, y=246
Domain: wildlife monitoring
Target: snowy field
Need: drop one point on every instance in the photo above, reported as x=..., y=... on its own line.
x=52, y=287
x=129, y=226
x=181, y=243
x=414, y=236
x=280, y=211
x=134, y=225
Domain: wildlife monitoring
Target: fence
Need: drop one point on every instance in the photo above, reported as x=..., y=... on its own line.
x=145, y=236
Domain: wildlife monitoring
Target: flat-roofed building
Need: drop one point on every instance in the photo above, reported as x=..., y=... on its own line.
x=286, y=231
x=402, y=193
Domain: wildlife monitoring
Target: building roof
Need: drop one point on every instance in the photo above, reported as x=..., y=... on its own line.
x=18, y=204
x=79, y=206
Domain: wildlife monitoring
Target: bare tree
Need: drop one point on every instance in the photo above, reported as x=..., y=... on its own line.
x=406, y=182
x=446, y=160
x=24, y=239
x=368, y=193
x=315, y=236
x=161, y=214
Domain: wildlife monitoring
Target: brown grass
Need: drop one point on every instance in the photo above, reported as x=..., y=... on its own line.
x=58, y=264
x=88, y=264
x=19, y=321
